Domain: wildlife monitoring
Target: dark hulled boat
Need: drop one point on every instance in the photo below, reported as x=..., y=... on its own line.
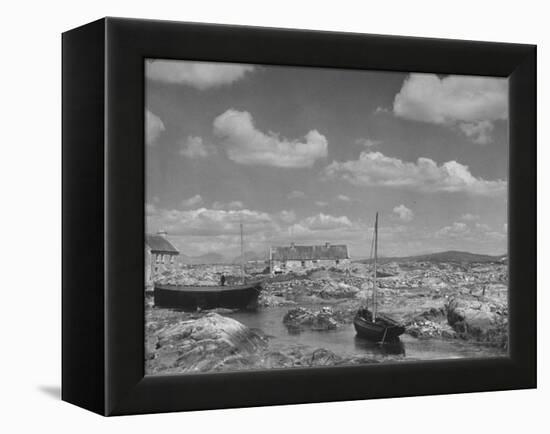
x=207, y=297
x=383, y=329
x=372, y=325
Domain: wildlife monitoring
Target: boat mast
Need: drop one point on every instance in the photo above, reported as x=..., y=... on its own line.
x=242, y=254
x=375, y=267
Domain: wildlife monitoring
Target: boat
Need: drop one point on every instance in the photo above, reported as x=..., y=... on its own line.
x=207, y=297
x=242, y=296
x=372, y=325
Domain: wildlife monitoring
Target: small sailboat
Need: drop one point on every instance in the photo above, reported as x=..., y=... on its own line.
x=370, y=324
x=183, y=297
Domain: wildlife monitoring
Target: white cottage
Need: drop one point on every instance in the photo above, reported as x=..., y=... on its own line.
x=294, y=258
x=160, y=255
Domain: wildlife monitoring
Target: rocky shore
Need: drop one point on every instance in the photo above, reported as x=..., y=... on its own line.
x=443, y=302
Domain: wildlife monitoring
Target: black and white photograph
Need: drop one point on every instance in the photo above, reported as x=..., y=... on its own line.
x=313, y=217
x=288, y=217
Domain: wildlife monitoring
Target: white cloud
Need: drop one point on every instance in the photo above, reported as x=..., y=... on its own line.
x=472, y=103
x=381, y=110
x=287, y=216
x=482, y=227
x=194, y=147
x=200, y=75
x=209, y=222
x=376, y=169
x=476, y=233
x=247, y=145
x=457, y=229
x=368, y=143
x=321, y=203
x=192, y=201
x=153, y=128
x=469, y=217
x=343, y=198
x=324, y=222
x=235, y=204
x=478, y=132
x=404, y=213
x=150, y=209
x=296, y=194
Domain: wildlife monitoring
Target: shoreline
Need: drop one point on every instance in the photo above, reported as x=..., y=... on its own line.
x=442, y=307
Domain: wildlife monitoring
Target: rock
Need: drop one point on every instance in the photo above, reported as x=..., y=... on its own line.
x=338, y=290
x=301, y=318
x=272, y=300
x=211, y=342
x=301, y=356
x=478, y=318
x=424, y=329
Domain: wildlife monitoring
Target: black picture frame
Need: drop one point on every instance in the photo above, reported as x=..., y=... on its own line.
x=103, y=215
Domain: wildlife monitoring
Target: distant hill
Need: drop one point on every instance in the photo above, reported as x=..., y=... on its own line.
x=448, y=256
x=249, y=256
x=207, y=258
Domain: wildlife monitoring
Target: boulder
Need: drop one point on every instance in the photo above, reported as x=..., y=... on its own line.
x=208, y=343
x=301, y=318
x=478, y=318
x=302, y=356
x=338, y=290
x=274, y=300
x=425, y=329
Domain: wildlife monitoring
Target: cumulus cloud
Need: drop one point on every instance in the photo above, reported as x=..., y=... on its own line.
x=404, y=214
x=321, y=203
x=234, y=204
x=478, y=232
x=425, y=175
x=457, y=229
x=469, y=217
x=247, y=145
x=296, y=194
x=192, y=201
x=287, y=216
x=478, y=132
x=343, y=198
x=153, y=128
x=200, y=75
x=209, y=222
x=325, y=222
x=194, y=147
x=471, y=103
x=150, y=209
x=368, y=143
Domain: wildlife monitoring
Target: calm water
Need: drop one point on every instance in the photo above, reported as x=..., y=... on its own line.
x=344, y=342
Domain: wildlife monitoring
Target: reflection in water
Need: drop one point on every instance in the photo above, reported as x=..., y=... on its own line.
x=395, y=347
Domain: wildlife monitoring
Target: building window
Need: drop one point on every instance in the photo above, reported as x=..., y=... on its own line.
x=303, y=263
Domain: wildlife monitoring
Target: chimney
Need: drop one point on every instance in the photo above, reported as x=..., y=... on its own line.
x=292, y=245
x=162, y=233
x=327, y=245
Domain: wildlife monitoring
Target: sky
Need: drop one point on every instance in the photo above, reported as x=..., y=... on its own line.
x=309, y=155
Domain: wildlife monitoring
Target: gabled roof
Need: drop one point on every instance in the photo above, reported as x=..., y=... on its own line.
x=159, y=244
x=305, y=253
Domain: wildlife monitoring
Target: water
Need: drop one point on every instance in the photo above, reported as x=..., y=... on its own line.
x=344, y=342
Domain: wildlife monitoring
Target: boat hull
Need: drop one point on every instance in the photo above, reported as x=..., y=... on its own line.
x=384, y=329
x=206, y=297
